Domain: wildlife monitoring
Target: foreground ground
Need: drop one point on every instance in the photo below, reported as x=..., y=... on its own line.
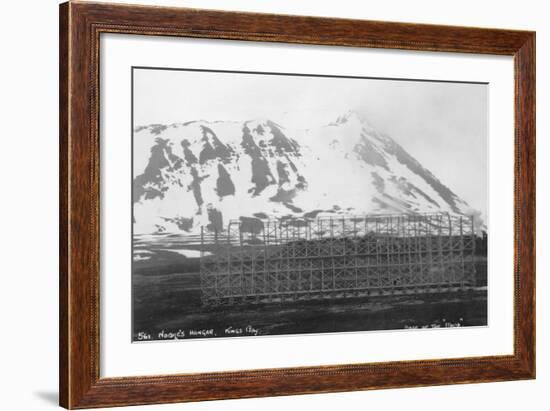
x=167, y=305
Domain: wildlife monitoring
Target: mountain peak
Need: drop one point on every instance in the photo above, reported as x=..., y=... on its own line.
x=206, y=173
x=352, y=116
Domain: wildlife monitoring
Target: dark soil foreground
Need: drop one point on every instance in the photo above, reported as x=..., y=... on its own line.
x=167, y=305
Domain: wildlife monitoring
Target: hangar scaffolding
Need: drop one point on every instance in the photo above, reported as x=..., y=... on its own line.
x=292, y=259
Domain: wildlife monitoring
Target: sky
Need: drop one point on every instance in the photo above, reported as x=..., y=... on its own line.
x=442, y=124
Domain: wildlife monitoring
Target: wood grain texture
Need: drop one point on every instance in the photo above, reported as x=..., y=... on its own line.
x=63, y=204
x=525, y=203
x=80, y=27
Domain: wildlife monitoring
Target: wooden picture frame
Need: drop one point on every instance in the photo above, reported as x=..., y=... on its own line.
x=80, y=27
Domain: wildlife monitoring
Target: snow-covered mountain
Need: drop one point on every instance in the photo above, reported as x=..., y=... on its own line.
x=205, y=173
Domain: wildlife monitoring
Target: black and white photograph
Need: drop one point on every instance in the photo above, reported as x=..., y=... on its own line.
x=294, y=203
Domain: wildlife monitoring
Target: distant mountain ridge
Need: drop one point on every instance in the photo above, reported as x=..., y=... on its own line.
x=205, y=173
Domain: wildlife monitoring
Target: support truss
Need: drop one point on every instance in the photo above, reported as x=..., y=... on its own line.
x=303, y=259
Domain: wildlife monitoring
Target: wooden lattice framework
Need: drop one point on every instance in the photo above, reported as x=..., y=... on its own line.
x=301, y=259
